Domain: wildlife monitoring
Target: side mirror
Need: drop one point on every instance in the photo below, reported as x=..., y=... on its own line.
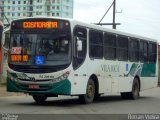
x=79, y=45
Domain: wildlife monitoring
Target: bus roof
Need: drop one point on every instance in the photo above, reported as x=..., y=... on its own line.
x=93, y=26
x=101, y=28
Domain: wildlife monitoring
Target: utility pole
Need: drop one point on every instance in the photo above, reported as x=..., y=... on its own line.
x=4, y=17
x=114, y=13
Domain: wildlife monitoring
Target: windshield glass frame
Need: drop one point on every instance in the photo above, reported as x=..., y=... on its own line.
x=61, y=33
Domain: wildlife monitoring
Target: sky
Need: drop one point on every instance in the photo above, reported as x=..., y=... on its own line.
x=141, y=17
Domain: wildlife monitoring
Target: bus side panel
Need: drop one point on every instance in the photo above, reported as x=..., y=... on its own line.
x=125, y=84
x=148, y=82
x=129, y=70
x=84, y=72
x=79, y=79
x=78, y=85
x=125, y=76
x=149, y=76
x=96, y=68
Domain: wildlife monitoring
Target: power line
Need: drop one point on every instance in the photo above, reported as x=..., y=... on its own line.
x=106, y=13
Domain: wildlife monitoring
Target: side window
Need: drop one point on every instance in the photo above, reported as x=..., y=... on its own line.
x=80, y=46
x=133, y=50
x=109, y=46
x=141, y=56
x=122, y=51
x=143, y=51
x=96, y=44
x=152, y=52
x=81, y=34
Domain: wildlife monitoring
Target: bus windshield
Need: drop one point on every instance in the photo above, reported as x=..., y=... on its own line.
x=40, y=49
x=39, y=45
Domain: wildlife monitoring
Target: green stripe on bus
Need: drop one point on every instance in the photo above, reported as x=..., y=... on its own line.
x=142, y=70
x=61, y=88
x=148, y=70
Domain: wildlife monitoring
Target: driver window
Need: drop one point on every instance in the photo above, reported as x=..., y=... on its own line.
x=80, y=33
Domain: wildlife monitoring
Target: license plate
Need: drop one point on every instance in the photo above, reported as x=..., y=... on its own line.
x=33, y=86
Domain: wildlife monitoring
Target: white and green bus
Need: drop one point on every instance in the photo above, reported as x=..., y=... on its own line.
x=55, y=56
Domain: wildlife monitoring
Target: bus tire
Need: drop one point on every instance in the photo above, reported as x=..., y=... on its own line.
x=90, y=93
x=39, y=99
x=134, y=94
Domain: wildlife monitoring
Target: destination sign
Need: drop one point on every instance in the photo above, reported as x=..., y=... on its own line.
x=40, y=25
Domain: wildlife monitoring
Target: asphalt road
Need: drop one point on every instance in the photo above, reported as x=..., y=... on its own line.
x=148, y=103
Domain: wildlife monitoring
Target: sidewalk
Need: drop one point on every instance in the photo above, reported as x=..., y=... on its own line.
x=4, y=93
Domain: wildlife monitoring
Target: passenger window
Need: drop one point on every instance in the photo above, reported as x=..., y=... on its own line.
x=122, y=48
x=143, y=51
x=152, y=51
x=96, y=44
x=109, y=46
x=133, y=50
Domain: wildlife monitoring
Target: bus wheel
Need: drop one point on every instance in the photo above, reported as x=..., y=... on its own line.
x=135, y=90
x=90, y=93
x=39, y=99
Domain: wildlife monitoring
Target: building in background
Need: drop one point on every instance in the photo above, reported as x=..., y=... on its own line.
x=13, y=9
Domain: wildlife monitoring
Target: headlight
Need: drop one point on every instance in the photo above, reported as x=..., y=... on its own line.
x=65, y=75
x=12, y=78
x=62, y=77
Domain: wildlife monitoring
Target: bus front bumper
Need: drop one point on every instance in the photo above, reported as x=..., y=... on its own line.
x=59, y=88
